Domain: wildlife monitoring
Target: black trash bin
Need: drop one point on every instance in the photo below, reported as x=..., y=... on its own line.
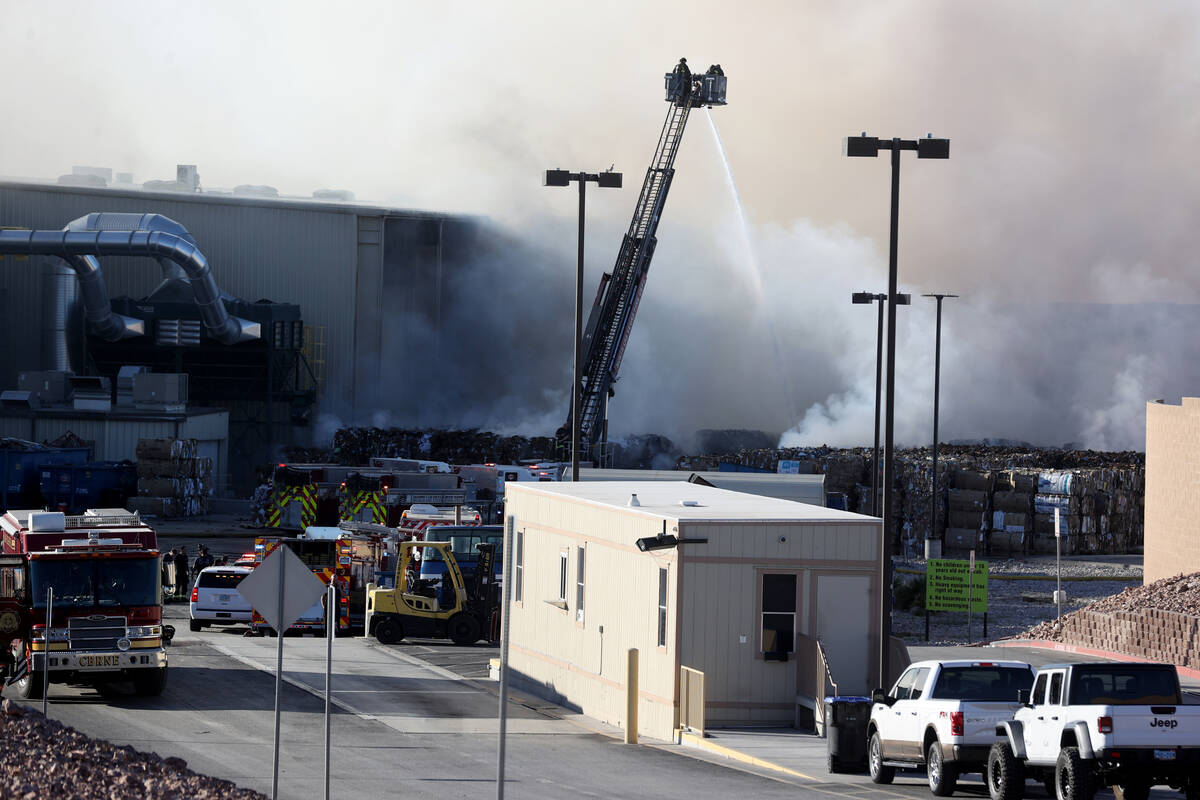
x=846, y=732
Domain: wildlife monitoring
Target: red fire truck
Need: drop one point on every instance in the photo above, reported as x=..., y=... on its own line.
x=104, y=620
x=350, y=559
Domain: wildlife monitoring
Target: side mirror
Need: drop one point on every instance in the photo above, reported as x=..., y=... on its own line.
x=1023, y=697
x=880, y=696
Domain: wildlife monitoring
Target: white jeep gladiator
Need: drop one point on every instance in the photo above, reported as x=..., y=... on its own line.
x=1091, y=725
x=942, y=716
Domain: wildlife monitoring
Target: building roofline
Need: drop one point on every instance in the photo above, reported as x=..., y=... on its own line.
x=285, y=202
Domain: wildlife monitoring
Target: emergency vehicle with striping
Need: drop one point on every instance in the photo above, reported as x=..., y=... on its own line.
x=81, y=595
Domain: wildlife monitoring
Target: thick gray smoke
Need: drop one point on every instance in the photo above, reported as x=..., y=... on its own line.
x=1064, y=216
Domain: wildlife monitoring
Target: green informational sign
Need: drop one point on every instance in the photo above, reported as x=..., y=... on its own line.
x=946, y=583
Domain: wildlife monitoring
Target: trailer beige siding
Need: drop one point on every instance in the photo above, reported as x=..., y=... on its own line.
x=713, y=599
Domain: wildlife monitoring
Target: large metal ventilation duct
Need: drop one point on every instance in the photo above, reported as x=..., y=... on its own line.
x=118, y=221
x=81, y=247
x=101, y=320
x=62, y=334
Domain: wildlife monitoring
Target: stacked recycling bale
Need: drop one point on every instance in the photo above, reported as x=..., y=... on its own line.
x=173, y=481
x=967, y=505
x=1012, y=513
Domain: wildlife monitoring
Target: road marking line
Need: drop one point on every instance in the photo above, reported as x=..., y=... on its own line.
x=692, y=740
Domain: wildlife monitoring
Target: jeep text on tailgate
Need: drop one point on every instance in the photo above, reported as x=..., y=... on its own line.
x=942, y=715
x=1086, y=726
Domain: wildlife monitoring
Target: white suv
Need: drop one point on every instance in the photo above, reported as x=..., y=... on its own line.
x=216, y=599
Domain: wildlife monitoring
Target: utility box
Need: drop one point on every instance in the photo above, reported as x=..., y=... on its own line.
x=91, y=393
x=160, y=391
x=51, y=387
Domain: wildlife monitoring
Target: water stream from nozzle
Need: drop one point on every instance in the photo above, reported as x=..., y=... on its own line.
x=755, y=273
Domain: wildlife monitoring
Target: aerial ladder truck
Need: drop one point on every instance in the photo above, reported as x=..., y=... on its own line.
x=620, y=292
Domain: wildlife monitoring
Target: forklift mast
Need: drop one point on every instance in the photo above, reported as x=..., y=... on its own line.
x=611, y=319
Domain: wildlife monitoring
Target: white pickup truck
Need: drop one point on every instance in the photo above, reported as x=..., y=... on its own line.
x=942, y=715
x=1099, y=724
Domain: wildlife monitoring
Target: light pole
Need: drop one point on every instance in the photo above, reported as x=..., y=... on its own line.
x=863, y=298
x=937, y=387
x=869, y=146
x=605, y=180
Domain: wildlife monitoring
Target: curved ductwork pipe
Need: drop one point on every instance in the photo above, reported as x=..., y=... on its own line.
x=122, y=221
x=101, y=320
x=150, y=244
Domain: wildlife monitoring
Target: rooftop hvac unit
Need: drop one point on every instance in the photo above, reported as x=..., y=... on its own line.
x=160, y=391
x=125, y=384
x=51, y=387
x=91, y=393
x=19, y=400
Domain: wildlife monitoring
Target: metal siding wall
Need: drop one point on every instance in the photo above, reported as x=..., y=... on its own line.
x=293, y=255
x=621, y=593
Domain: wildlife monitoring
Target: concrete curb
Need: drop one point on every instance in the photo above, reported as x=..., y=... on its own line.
x=700, y=743
x=1062, y=647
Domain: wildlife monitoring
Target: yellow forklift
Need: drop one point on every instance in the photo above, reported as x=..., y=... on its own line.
x=463, y=611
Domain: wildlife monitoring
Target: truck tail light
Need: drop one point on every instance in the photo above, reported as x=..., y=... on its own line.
x=195, y=594
x=956, y=723
x=1104, y=724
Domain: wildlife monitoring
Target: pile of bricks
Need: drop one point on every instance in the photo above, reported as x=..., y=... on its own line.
x=1159, y=621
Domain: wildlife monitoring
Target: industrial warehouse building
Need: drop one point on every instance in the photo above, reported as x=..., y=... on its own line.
x=1172, y=489
x=742, y=607
x=366, y=284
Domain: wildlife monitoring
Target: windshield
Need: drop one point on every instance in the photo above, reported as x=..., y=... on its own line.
x=1124, y=686
x=982, y=683
x=463, y=548
x=111, y=582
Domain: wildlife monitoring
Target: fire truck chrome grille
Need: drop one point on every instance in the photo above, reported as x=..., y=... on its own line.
x=95, y=634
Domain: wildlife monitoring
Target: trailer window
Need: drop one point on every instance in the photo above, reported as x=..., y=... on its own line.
x=519, y=566
x=579, y=551
x=662, y=607
x=778, y=613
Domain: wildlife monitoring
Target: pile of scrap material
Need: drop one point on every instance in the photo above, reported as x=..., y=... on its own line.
x=173, y=480
x=353, y=446
x=995, y=499
x=44, y=758
x=1159, y=621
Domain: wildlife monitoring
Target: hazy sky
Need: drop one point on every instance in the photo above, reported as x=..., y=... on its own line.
x=1072, y=128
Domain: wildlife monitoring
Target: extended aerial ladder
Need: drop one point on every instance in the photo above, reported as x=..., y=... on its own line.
x=620, y=292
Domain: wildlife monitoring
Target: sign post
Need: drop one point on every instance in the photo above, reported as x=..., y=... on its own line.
x=970, y=587
x=281, y=588
x=1058, y=594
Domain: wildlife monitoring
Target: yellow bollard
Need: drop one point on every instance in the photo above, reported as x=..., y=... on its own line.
x=631, y=697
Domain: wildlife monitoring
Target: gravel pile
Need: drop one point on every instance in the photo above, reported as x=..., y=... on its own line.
x=1179, y=594
x=43, y=758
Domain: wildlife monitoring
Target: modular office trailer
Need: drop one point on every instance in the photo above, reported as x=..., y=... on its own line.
x=734, y=606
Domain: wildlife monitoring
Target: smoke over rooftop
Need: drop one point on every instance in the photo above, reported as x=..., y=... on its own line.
x=1064, y=216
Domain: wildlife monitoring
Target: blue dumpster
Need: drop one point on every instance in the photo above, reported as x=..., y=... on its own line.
x=74, y=488
x=846, y=720
x=20, y=462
